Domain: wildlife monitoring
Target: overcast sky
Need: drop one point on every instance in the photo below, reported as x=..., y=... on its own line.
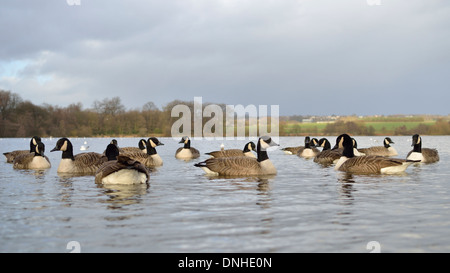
x=310, y=57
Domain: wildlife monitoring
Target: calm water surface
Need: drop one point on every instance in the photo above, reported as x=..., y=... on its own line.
x=304, y=208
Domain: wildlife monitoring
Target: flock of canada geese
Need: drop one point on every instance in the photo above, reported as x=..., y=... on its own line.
x=130, y=165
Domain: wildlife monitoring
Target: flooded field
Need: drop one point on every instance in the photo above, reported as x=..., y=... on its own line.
x=304, y=208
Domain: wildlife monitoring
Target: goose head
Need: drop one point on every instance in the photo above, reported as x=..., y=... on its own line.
x=339, y=141
x=347, y=143
x=186, y=141
x=114, y=141
x=63, y=144
x=416, y=140
x=314, y=142
x=266, y=142
x=251, y=146
x=112, y=152
x=142, y=144
x=388, y=141
x=33, y=142
x=307, y=140
x=39, y=149
x=153, y=142
x=324, y=143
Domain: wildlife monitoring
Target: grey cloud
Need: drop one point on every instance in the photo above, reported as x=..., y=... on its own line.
x=309, y=57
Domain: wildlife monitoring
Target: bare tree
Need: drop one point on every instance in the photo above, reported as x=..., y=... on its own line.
x=109, y=106
x=8, y=102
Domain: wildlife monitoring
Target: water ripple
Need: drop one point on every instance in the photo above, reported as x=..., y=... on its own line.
x=304, y=208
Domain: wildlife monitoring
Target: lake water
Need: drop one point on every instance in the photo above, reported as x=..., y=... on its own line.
x=304, y=208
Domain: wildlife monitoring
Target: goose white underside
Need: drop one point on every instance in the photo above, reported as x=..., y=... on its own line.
x=266, y=165
x=39, y=162
x=396, y=169
x=392, y=151
x=416, y=156
x=125, y=177
x=209, y=172
x=157, y=160
x=308, y=153
x=66, y=166
x=287, y=152
x=184, y=154
x=339, y=162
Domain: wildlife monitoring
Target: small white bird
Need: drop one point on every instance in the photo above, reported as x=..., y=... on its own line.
x=84, y=147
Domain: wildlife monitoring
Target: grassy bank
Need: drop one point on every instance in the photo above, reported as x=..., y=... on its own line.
x=390, y=128
x=367, y=126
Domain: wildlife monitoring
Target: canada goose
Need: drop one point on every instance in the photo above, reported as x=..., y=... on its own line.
x=385, y=150
x=294, y=150
x=35, y=160
x=309, y=150
x=425, y=155
x=247, y=151
x=186, y=152
x=11, y=155
x=142, y=147
x=368, y=164
x=151, y=158
x=242, y=165
x=83, y=163
x=120, y=169
x=327, y=155
x=338, y=147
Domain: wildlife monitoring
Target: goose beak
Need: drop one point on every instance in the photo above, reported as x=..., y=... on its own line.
x=273, y=143
x=54, y=149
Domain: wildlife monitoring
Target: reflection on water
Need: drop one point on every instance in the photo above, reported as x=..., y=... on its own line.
x=123, y=195
x=38, y=174
x=305, y=207
x=346, y=181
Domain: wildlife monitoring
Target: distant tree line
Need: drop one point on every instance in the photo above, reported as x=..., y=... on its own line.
x=19, y=118
x=349, y=127
x=441, y=127
x=109, y=117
